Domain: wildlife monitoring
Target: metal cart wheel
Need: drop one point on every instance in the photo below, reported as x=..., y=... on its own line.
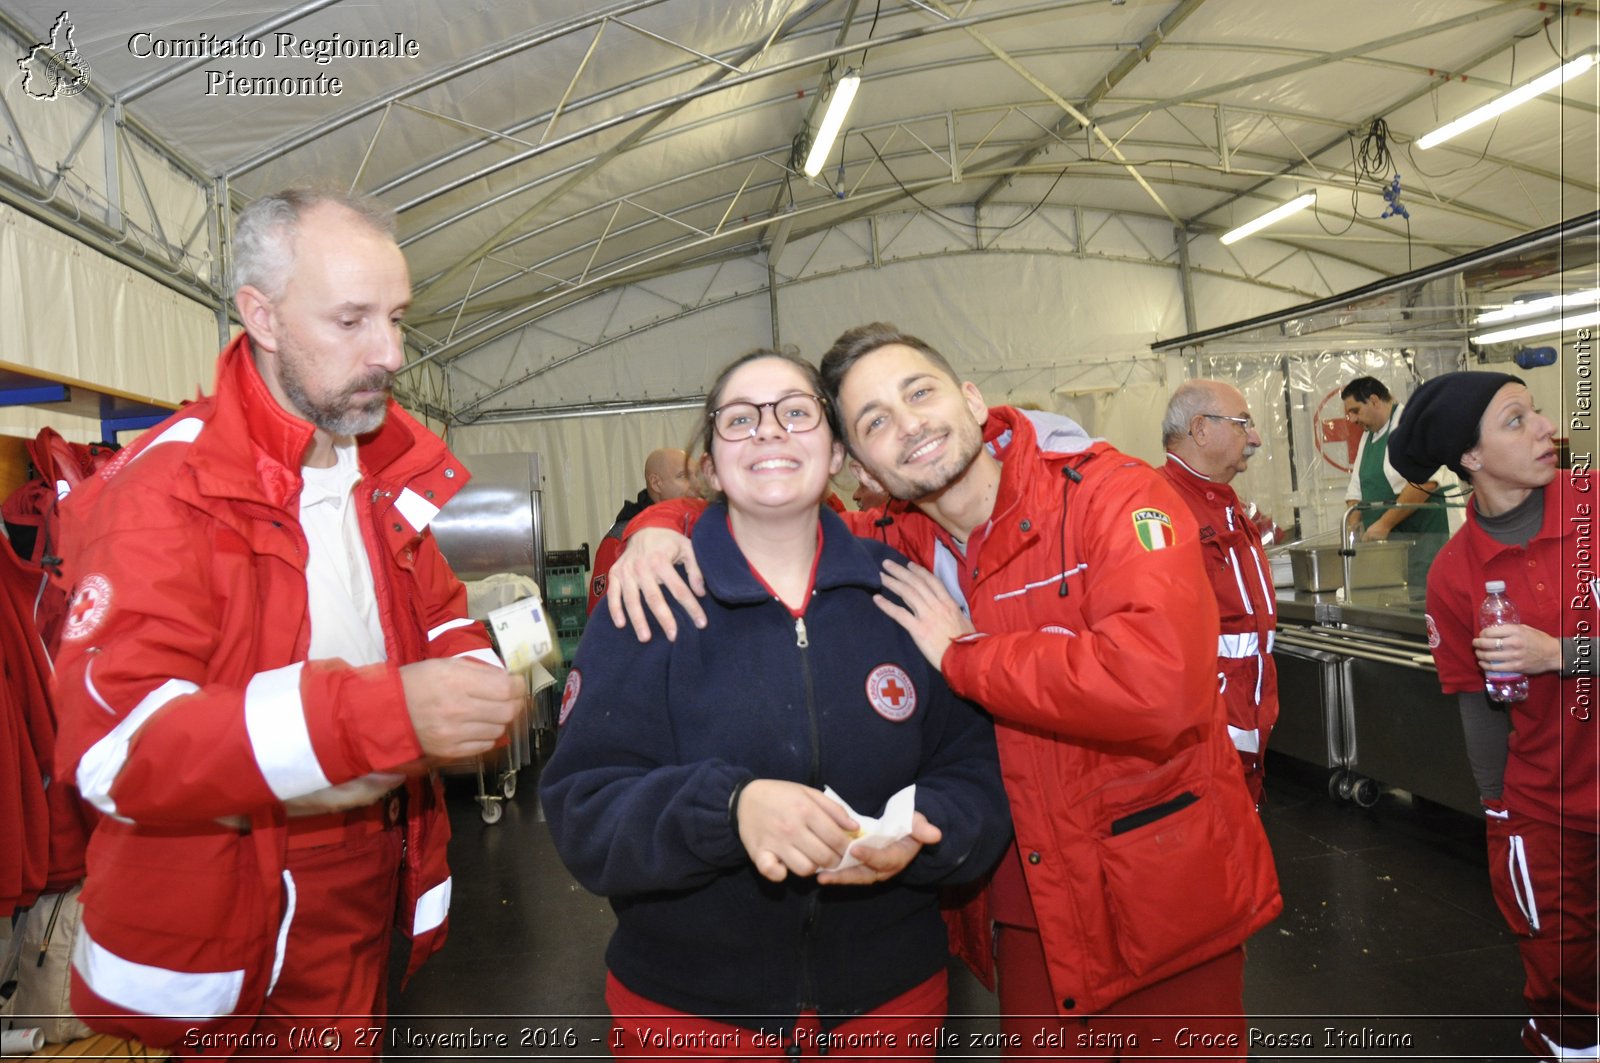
x=1339, y=784
x=508, y=785
x=492, y=810
x=1367, y=792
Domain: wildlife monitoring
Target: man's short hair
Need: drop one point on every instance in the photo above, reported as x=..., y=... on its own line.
x=1363, y=388
x=1191, y=400
x=263, y=234
x=855, y=344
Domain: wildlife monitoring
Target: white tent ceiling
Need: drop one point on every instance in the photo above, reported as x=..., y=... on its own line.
x=544, y=155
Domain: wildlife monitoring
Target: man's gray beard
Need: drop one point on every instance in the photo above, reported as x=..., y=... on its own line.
x=341, y=417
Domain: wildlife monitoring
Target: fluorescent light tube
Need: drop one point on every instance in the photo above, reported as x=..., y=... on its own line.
x=1538, y=328
x=844, y=93
x=1276, y=214
x=1539, y=306
x=1497, y=107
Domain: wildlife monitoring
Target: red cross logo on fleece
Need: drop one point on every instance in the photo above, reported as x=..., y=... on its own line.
x=569, y=695
x=891, y=693
x=89, y=607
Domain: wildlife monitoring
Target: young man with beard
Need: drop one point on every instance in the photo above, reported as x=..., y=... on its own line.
x=265, y=655
x=1083, y=622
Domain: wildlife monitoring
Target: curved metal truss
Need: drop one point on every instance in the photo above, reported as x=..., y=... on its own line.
x=570, y=155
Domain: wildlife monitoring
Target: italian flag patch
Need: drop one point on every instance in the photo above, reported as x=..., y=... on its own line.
x=1154, y=529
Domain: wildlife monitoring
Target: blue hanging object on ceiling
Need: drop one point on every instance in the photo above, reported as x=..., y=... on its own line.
x=1391, y=196
x=1533, y=357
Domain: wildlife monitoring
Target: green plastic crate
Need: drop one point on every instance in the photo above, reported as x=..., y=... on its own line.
x=568, y=615
x=566, y=582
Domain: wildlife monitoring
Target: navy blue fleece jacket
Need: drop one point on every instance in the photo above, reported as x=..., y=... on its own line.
x=656, y=737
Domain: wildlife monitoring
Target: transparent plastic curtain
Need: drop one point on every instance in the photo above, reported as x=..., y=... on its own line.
x=1300, y=475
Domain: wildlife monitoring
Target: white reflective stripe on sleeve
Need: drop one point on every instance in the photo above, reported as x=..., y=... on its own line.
x=432, y=907
x=275, y=719
x=150, y=990
x=1245, y=741
x=1247, y=644
x=417, y=511
x=290, y=898
x=1522, y=881
x=1055, y=580
x=1272, y=639
x=449, y=625
x=485, y=655
x=184, y=431
x=99, y=766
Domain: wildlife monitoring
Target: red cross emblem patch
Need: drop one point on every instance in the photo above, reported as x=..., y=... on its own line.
x=89, y=606
x=569, y=695
x=1433, y=633
x=890, y=691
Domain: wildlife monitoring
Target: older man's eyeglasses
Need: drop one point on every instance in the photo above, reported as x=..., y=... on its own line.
x=1247, y=423
x=738, y=421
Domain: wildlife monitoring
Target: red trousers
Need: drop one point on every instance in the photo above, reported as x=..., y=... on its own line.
x=904, y=1028
x=1545, y=882
x=332, y=984
x=1198, y=1014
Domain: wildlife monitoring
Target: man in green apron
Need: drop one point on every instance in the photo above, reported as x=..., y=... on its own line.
x=1368, y=403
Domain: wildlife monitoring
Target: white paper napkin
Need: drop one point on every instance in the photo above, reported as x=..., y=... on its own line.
x=894, y=824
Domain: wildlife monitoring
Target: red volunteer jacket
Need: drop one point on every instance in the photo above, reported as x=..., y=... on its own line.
x=1141, y=848
x=1241, y=579
x=1553, y=767
x=190, y=714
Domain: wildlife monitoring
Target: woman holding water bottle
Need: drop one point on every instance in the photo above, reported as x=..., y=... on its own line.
x=1512, y=618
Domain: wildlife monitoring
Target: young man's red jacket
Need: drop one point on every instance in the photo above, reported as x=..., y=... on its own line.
x=1096, y=654
x=190, y=715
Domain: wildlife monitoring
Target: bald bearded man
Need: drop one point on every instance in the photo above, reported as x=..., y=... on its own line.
x=666, y=475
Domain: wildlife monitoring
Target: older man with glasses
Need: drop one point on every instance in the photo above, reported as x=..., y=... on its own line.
x=1210, y=436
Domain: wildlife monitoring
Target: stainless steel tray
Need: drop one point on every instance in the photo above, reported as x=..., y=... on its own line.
x=1321, y=568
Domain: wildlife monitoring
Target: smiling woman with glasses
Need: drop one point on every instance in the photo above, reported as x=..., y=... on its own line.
x=688, y=782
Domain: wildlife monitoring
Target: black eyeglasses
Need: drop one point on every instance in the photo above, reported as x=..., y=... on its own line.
x=1247, y=423
x=738, y=421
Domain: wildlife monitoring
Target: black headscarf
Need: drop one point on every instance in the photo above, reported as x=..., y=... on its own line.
x=1440, y=423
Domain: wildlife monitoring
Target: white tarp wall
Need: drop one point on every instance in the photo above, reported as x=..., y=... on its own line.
x=69, y=310
x=72, y=312
x=1056, y=312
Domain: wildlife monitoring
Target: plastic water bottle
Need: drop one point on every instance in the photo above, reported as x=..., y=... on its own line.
x=1497, y=609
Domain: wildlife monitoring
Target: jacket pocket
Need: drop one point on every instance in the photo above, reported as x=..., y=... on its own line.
x=1171, y=887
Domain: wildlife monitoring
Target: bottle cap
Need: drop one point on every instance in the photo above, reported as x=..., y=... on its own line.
x=1495, y=586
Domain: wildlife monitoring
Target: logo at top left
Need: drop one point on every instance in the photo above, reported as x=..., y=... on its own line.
x=55, y=68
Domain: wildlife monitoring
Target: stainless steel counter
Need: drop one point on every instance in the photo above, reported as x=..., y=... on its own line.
x=1380, y=608
x=1358, y=693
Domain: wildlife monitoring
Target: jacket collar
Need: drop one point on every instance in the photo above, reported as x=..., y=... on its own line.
x=1189, y=478
x=1561, y=514
x=846, y=560
x=252, y=448
x=633, y=507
